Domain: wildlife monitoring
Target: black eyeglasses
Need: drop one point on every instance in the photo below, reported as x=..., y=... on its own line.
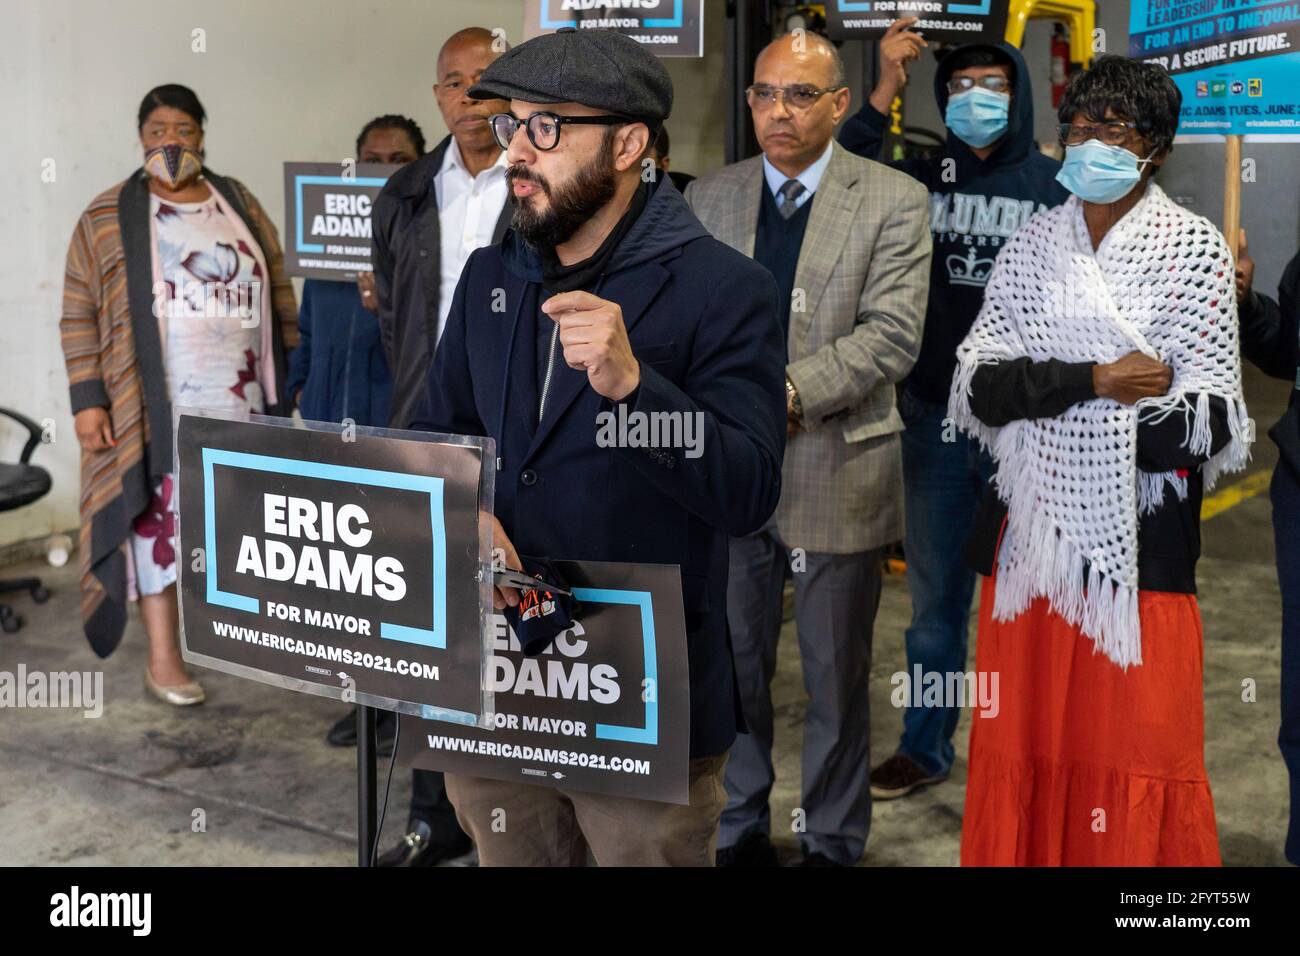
x=1114, y=133
x=544, y=128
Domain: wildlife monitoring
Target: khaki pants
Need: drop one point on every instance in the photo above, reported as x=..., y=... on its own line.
x=517, y=824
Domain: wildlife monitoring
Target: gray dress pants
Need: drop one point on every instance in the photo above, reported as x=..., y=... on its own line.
x=836, y=598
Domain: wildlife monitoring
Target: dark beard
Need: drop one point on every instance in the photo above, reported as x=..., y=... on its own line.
x=592, y=187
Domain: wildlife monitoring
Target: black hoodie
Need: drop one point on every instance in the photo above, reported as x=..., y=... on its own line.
x=975, y=206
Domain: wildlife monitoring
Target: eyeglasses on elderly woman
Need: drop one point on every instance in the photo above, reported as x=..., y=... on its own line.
x=1111, y=132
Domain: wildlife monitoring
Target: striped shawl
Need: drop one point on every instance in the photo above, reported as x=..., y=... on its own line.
x=113, y=352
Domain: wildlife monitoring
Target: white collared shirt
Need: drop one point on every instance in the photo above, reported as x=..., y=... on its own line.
x=468, y=209
x=810, y=177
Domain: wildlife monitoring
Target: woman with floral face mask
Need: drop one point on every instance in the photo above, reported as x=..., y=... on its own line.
x=1102, y=373
x=174, y=295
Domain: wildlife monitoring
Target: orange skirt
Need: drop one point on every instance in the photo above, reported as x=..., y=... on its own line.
x=1086, y=764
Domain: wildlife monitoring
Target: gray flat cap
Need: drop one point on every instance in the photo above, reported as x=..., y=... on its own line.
x=602, y=69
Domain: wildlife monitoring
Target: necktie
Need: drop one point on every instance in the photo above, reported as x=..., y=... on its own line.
x=790, y=191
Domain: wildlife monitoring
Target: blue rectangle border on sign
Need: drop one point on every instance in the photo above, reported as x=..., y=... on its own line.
x=304, y=180
x=436, y=636
x=649, y=734
x=660, y=23
x=974, y=9
x=666, y=23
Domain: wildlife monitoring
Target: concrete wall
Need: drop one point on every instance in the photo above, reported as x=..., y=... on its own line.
x=282, y=80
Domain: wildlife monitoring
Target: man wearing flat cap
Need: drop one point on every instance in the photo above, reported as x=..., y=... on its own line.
x=614, y=295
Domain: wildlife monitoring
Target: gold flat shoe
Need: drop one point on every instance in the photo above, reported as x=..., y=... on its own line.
x=179, y=695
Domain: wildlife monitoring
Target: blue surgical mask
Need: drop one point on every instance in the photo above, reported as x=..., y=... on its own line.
x=978, y=116
x=1099, y=173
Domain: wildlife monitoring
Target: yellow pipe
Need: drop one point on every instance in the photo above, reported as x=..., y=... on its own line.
x=1079, y=15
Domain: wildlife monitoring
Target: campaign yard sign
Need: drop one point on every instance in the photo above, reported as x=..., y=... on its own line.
x=341, y=565
x=327, y=217
x=666, y=27
x=1236, y=62
x=962, y=22
x=605, y=709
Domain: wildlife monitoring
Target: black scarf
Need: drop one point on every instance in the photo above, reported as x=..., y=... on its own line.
x=557, y=277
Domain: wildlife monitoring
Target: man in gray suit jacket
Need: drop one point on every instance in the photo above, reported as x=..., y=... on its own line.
x=848, y=241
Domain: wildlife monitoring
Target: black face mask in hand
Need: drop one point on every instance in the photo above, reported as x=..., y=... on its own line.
x=541, y=614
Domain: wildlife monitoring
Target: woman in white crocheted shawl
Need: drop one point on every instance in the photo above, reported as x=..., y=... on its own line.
x=1103, y=375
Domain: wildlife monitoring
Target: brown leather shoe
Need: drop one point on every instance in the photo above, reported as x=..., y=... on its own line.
x=898, y=776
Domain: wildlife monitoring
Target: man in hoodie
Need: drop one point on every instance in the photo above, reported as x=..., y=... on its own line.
x=986, y=183
x=608, y=291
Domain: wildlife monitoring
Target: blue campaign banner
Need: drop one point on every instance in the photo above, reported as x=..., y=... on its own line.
x=1237, y=62
x=668, y=28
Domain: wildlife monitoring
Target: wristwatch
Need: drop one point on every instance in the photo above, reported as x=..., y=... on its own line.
x=793, y=404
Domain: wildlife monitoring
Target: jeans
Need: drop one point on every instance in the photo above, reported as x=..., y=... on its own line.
x=1285, y=493
x=944, y=476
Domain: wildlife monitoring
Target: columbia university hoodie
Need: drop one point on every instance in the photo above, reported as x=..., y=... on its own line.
x=975, y=206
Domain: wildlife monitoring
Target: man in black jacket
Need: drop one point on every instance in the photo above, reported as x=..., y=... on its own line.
x=427, y=219
x=1270, y=338
x=413, y=252
x=614, y=294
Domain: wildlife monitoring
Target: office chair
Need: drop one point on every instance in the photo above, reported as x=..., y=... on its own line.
x=21, y=483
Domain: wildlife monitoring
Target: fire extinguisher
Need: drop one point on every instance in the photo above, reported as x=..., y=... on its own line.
x=1060, y=63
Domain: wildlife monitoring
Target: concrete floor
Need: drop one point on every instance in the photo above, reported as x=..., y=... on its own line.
x=124, y=789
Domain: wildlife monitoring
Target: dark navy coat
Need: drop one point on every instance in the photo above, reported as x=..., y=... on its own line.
x=703, y=321
x=339, y=363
